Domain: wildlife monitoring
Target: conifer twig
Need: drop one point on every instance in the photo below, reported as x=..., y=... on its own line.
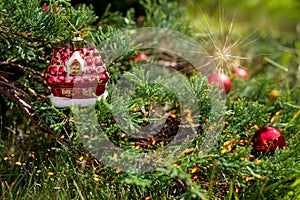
x=31, y=112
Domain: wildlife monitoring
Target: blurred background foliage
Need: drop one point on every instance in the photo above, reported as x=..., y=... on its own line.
x=276, y=16
x=270, y=15
x=267, y=30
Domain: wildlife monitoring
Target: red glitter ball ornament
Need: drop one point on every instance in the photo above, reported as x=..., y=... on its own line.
x=268, y=139
x=240, y=72
x=222, y=79
x=139, y=57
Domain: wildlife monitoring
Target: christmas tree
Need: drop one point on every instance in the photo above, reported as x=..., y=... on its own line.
x=153, y=100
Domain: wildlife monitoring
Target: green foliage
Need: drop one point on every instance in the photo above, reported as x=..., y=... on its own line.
x=117, y=20
x=164, y=14
x=26, y=29
x=114, y=44
x=264, y=15
x=158, y=13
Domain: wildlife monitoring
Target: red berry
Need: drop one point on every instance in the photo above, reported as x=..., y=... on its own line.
x=139, y=57
x=46, y=7
x=240, y=72
x=222, y=79
x=268, y=139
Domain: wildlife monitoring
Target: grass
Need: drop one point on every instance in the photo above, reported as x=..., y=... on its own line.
x=34, y=166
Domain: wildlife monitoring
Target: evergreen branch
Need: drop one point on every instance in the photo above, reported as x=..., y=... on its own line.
x=27, y=36
x=31, y=113
x=13, y=87
x=36, y=75
x=180, y=183
x=19, y=66
x=12, y=95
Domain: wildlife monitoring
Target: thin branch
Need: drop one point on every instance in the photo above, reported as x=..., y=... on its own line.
x=11, y=63
x=31, y=112
x=180, y=183
x=12, y=86
x=13, y=97
x=37, y=75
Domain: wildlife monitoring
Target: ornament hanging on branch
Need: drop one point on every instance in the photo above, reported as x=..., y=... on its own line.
x=76, y=75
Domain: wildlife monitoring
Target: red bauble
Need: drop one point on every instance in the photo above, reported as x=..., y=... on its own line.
x=222, y=79
x=268, y=139
x=240, y=72
x=139, y=57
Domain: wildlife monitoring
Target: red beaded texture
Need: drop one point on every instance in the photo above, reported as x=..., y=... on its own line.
x=92, y=81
